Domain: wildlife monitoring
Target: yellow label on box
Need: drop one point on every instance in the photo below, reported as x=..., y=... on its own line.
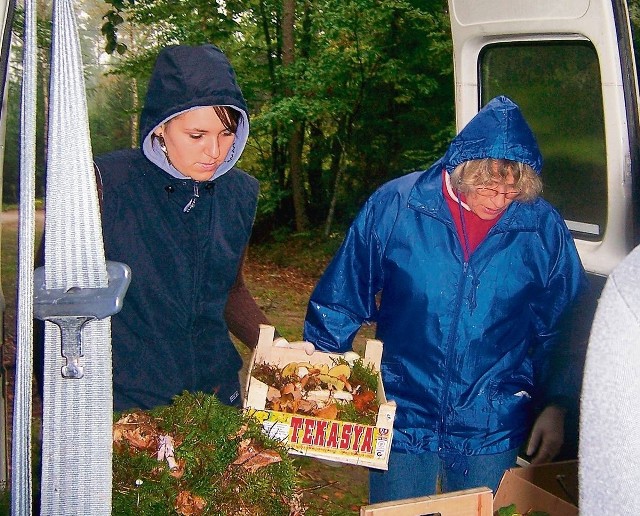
x=308, y=433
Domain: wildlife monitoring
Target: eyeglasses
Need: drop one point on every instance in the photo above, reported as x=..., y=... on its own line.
x=492, y=192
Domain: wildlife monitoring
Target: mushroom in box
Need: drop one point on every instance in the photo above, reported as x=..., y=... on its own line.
x=324, y=405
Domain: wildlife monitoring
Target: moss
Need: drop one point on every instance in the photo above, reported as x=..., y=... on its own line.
x=207, y=435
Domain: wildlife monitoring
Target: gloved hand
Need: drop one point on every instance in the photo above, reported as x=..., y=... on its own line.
x=281, y=342
x=547, y=435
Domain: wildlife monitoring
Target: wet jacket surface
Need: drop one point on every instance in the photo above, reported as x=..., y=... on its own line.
x=171, y=334
x=466, y=344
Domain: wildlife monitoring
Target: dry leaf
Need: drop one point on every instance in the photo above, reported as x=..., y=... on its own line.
x=307, y=406
x=328, y=412
x=288, y=389
x=188, y=504
x=273, y=393
x=251, y=456
x=138, y=429
x=241, y=431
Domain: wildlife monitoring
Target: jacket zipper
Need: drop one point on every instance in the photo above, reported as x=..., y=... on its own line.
x=449, y=358
x=196, y=281
x=194, y=197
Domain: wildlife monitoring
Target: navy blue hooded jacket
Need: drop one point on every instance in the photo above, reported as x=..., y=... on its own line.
x=466, y=343
x=171, y=335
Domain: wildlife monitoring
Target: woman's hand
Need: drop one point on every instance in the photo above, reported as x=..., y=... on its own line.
x=547, y=435
x=281, y=342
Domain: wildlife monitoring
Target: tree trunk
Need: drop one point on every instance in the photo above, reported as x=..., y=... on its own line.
x=336, y=156
x=135, y=101
x=339, y=142
x=297, y=137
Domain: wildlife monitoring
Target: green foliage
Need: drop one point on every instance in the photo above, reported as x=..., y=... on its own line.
x=5, y=501
x=365, y=374
x=371, y=85
x=512, y=511
x=507, y=511
x=209, y=434
x=110, y=114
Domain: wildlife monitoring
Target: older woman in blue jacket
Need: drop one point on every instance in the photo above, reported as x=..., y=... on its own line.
x=474, y=272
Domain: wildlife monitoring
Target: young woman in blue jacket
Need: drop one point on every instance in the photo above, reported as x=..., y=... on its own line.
x=180, y=214
x=467, y=274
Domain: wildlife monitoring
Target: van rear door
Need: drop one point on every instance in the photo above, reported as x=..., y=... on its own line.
x=570, y=66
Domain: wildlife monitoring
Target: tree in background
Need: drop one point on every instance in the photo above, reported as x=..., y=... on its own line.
x=344, y=94
x=91, y=47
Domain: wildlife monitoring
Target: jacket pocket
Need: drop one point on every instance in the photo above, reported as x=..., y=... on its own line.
x=510, y=398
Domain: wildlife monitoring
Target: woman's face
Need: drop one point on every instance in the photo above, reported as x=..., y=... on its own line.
x=197, y=142
x=488, y=201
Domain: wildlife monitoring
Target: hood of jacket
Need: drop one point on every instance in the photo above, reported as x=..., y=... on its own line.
x=498, y=131
x=186, y=78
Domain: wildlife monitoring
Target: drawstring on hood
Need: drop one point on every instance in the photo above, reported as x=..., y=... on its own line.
x=186, y=78
x=192, y=202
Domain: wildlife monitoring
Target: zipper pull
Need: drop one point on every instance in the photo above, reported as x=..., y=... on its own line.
x=194, y=198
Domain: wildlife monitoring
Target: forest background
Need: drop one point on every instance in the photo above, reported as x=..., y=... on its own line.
x=344, y=95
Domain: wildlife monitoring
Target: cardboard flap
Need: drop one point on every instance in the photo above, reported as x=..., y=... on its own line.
x=552, y=488
x=373, y=353
x=557, y=478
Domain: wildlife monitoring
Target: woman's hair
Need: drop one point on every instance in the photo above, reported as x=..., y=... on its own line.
x=478, y=172
x=229, y=117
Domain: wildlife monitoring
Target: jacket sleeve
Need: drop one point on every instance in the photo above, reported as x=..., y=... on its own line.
x=554, y=352
x=242, y=314
x=344, y=297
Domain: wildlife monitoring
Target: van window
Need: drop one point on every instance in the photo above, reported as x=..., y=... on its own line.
x=557, y=85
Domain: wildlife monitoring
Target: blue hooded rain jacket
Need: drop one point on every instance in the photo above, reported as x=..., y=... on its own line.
x=466, y=343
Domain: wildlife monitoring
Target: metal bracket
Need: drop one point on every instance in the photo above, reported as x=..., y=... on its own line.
x=71, y=309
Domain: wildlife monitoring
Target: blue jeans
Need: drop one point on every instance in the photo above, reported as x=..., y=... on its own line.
x=413, y=475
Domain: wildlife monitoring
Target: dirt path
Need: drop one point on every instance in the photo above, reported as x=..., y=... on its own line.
x=11, y=217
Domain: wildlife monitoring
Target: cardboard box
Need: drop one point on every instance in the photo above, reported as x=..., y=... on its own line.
x=552, y=488
x=471, y=502
x=332, y=440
